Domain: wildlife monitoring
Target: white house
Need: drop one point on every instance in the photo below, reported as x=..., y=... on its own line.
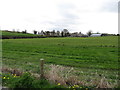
x=95, y=35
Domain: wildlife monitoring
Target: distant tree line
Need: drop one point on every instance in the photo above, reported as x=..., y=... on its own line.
x=63, y=33
x=53, y=33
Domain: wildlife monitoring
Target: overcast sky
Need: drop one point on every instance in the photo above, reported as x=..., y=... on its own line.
x=74, y=15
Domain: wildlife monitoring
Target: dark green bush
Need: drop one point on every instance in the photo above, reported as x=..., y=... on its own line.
x=26, y=81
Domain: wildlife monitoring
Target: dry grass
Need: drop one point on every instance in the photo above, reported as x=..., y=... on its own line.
x=62, y=75
x=104, y=83
x=66, y=76
x=12, y=71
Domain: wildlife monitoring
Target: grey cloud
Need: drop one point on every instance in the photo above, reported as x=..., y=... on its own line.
x=69, y=15
x=61, y=24
x=111, y=6
x=65, y=10
x=66, y=6
x=68, y=19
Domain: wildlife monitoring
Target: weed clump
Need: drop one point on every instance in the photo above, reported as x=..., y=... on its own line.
x=26, y=81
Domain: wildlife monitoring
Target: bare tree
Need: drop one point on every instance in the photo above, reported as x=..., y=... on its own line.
x=47, y=33
x=62, y=34
x=89, y=32
x=24, y=31
x=80, y=33
x=58, y=33
x=35, y=32
x=65, y=31
x=53, y=32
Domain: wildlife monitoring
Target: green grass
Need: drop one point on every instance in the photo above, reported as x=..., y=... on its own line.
x=85, y=54
x=26, y=81
x=11, y=34
x=93, y=52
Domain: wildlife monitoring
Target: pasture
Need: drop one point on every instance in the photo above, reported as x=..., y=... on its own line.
x=15, y=35
x=11, y=33
x=90, y=55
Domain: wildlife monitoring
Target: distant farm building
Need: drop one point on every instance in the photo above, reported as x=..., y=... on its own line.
x=76, y=34
x=96, y=35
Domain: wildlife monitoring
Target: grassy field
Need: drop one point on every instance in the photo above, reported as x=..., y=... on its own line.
x=15, y=35
x=86, y=54
x=5, y=33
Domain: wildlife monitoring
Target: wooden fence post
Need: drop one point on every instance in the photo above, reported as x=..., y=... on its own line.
x=41, y=68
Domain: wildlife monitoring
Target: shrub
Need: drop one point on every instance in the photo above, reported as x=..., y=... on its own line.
x=26, y=81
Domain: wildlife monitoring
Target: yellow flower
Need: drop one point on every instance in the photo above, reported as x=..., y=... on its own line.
x=58, y=83
x=76, y=86
x=14, y=76
x=8, y=78
x=4, y=77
